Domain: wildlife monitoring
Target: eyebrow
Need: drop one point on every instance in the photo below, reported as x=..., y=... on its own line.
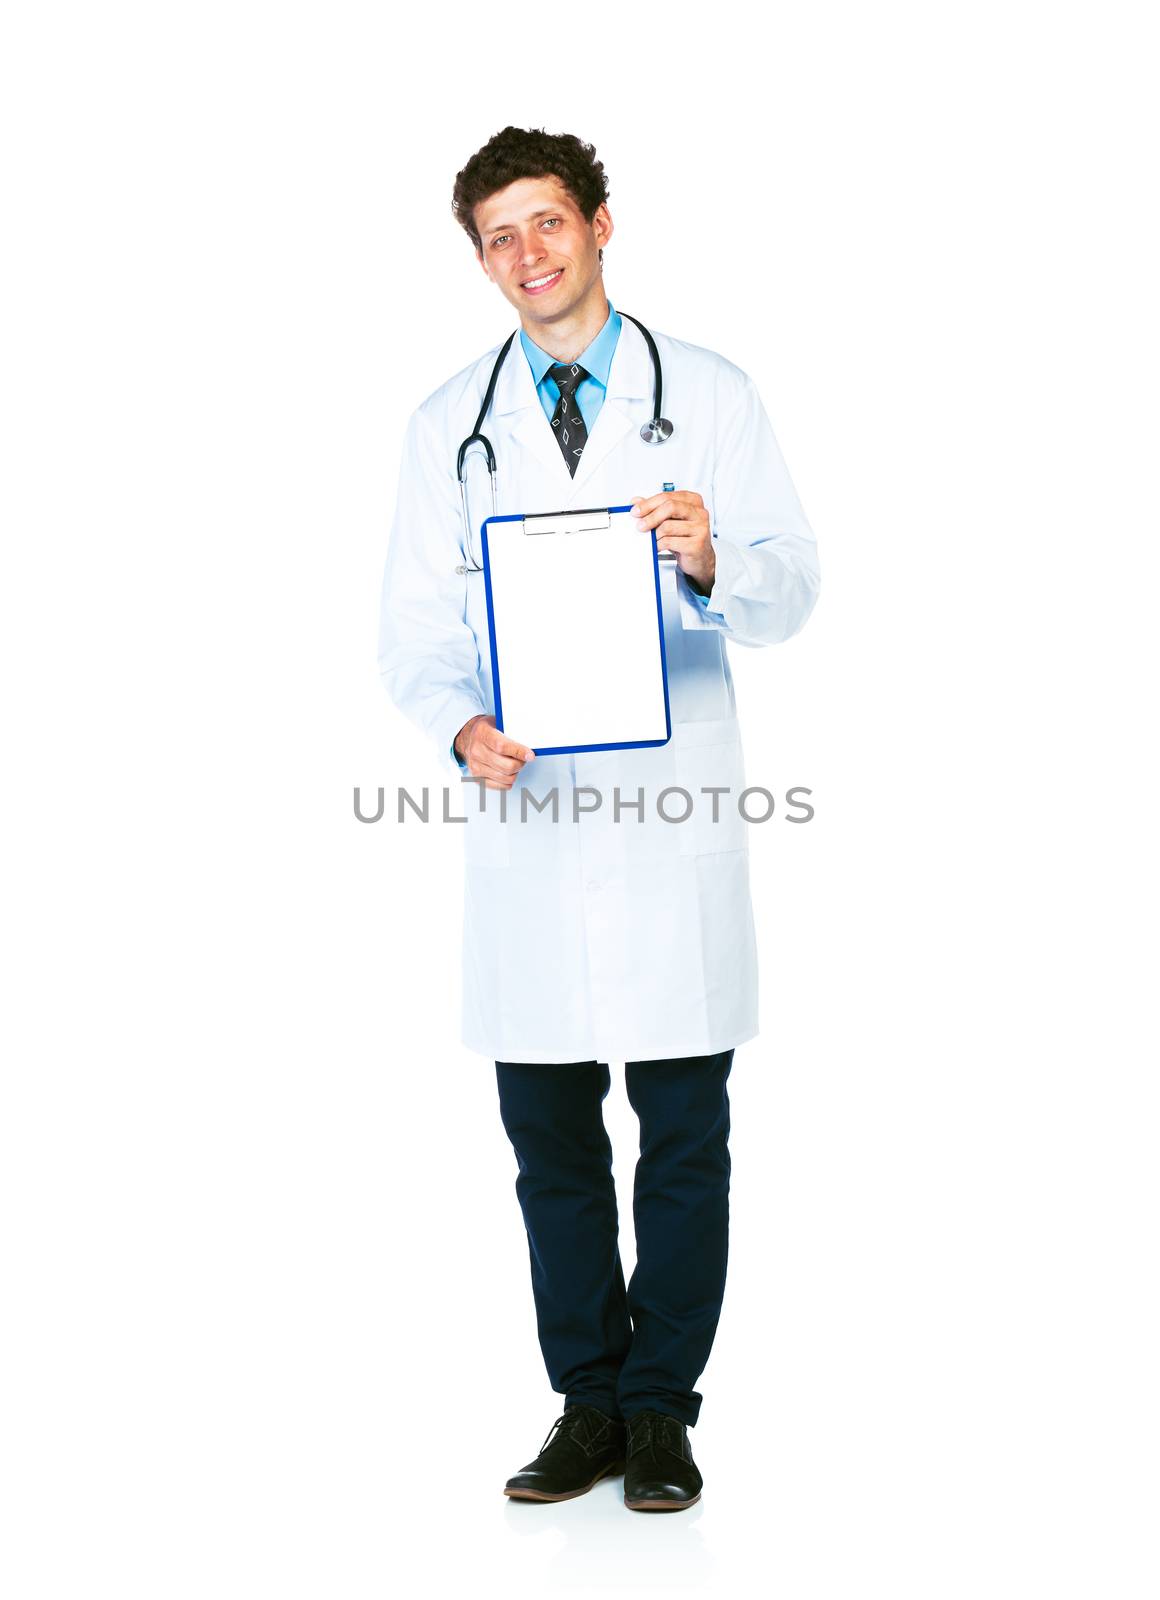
x=545, y=211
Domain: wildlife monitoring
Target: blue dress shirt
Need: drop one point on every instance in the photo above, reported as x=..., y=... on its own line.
x=596, y=360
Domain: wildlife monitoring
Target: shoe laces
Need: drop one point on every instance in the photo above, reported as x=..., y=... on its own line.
x=648, y=1429
x=565, y=1426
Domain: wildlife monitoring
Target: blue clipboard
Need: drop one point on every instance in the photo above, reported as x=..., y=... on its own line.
x=650, y=692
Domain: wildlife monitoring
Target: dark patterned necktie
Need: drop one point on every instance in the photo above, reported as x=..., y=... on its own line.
x=567, y=423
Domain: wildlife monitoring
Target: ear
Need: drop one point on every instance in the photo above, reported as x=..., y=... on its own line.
x=602, y=224
x=483, y=264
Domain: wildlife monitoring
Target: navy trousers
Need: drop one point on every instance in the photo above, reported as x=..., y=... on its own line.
x=624, y=1349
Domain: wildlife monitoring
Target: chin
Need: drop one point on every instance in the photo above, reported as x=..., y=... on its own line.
x=561, y=308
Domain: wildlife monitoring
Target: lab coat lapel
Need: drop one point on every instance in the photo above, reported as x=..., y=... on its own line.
x=534, y=432
x=608, y=430
x=517, y=401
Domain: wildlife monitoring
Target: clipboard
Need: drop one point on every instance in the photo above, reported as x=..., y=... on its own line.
x=577, y=630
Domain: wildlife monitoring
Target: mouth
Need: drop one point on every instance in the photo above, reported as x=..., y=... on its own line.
x=538, y=285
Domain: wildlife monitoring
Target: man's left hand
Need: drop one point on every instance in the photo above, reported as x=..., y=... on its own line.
x=682, y=525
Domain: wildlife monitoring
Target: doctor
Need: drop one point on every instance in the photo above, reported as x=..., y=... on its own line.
x=604, y=930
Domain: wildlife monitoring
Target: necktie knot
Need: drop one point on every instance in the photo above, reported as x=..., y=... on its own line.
x=567, y=375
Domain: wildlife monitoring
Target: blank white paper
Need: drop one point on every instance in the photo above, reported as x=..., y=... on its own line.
x=576, y=635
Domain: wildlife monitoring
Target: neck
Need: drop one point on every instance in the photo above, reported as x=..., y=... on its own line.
x=570, y=335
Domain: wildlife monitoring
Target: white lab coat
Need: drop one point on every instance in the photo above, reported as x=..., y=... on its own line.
x=601, y=939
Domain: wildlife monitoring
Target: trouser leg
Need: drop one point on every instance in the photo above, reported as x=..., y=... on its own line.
x=681, y=1210
x=553, y=1117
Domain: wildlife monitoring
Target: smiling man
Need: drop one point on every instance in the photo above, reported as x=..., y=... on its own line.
x=601, y=932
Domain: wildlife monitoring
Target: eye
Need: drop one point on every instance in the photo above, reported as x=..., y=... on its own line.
x=496, y=242
x=552, y=222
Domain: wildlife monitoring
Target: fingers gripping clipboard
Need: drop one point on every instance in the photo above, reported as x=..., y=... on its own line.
x=577, y=630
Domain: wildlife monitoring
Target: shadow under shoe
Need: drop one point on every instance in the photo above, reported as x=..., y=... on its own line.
x=582, y=1447
x=659, y=1473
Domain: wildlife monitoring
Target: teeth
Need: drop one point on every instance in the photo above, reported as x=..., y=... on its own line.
x=536, y=283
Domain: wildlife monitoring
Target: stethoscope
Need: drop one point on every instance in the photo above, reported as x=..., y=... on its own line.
x=654, y=432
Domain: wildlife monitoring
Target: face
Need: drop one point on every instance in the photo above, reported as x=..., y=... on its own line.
x=536, y=245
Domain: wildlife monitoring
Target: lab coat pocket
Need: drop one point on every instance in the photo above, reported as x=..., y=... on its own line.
x=708, y=755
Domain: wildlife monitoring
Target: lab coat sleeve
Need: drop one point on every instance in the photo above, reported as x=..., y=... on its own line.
x=428, y=659
x=767, y=574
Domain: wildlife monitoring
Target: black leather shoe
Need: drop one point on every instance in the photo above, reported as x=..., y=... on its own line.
x=582, y=1447
x=659, y=1473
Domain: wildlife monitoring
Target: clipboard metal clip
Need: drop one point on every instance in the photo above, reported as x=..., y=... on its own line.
x=569, y=522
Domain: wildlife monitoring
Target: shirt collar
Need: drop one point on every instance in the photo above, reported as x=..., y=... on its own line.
x=596, y=360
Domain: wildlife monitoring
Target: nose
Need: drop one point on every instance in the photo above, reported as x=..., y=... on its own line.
x=533, y=251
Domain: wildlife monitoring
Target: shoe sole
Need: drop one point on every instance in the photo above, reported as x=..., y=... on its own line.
x=612, y=1471
x=661, y=1505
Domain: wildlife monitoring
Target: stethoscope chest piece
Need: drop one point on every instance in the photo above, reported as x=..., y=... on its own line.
x=657, y=431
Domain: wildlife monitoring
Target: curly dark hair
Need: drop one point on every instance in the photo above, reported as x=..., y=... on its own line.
x=528, y=153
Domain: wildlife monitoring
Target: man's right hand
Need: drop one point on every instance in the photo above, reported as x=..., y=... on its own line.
x=490, y=754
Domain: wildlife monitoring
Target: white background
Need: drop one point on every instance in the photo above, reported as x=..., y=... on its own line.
x=268, y=1328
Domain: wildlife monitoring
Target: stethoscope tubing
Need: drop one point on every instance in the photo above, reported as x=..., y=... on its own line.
x=655, y=431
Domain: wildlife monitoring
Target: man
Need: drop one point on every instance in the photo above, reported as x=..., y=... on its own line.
x=613, y=927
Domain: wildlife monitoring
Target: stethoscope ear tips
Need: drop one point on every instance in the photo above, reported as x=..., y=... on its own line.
x=657, y=431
